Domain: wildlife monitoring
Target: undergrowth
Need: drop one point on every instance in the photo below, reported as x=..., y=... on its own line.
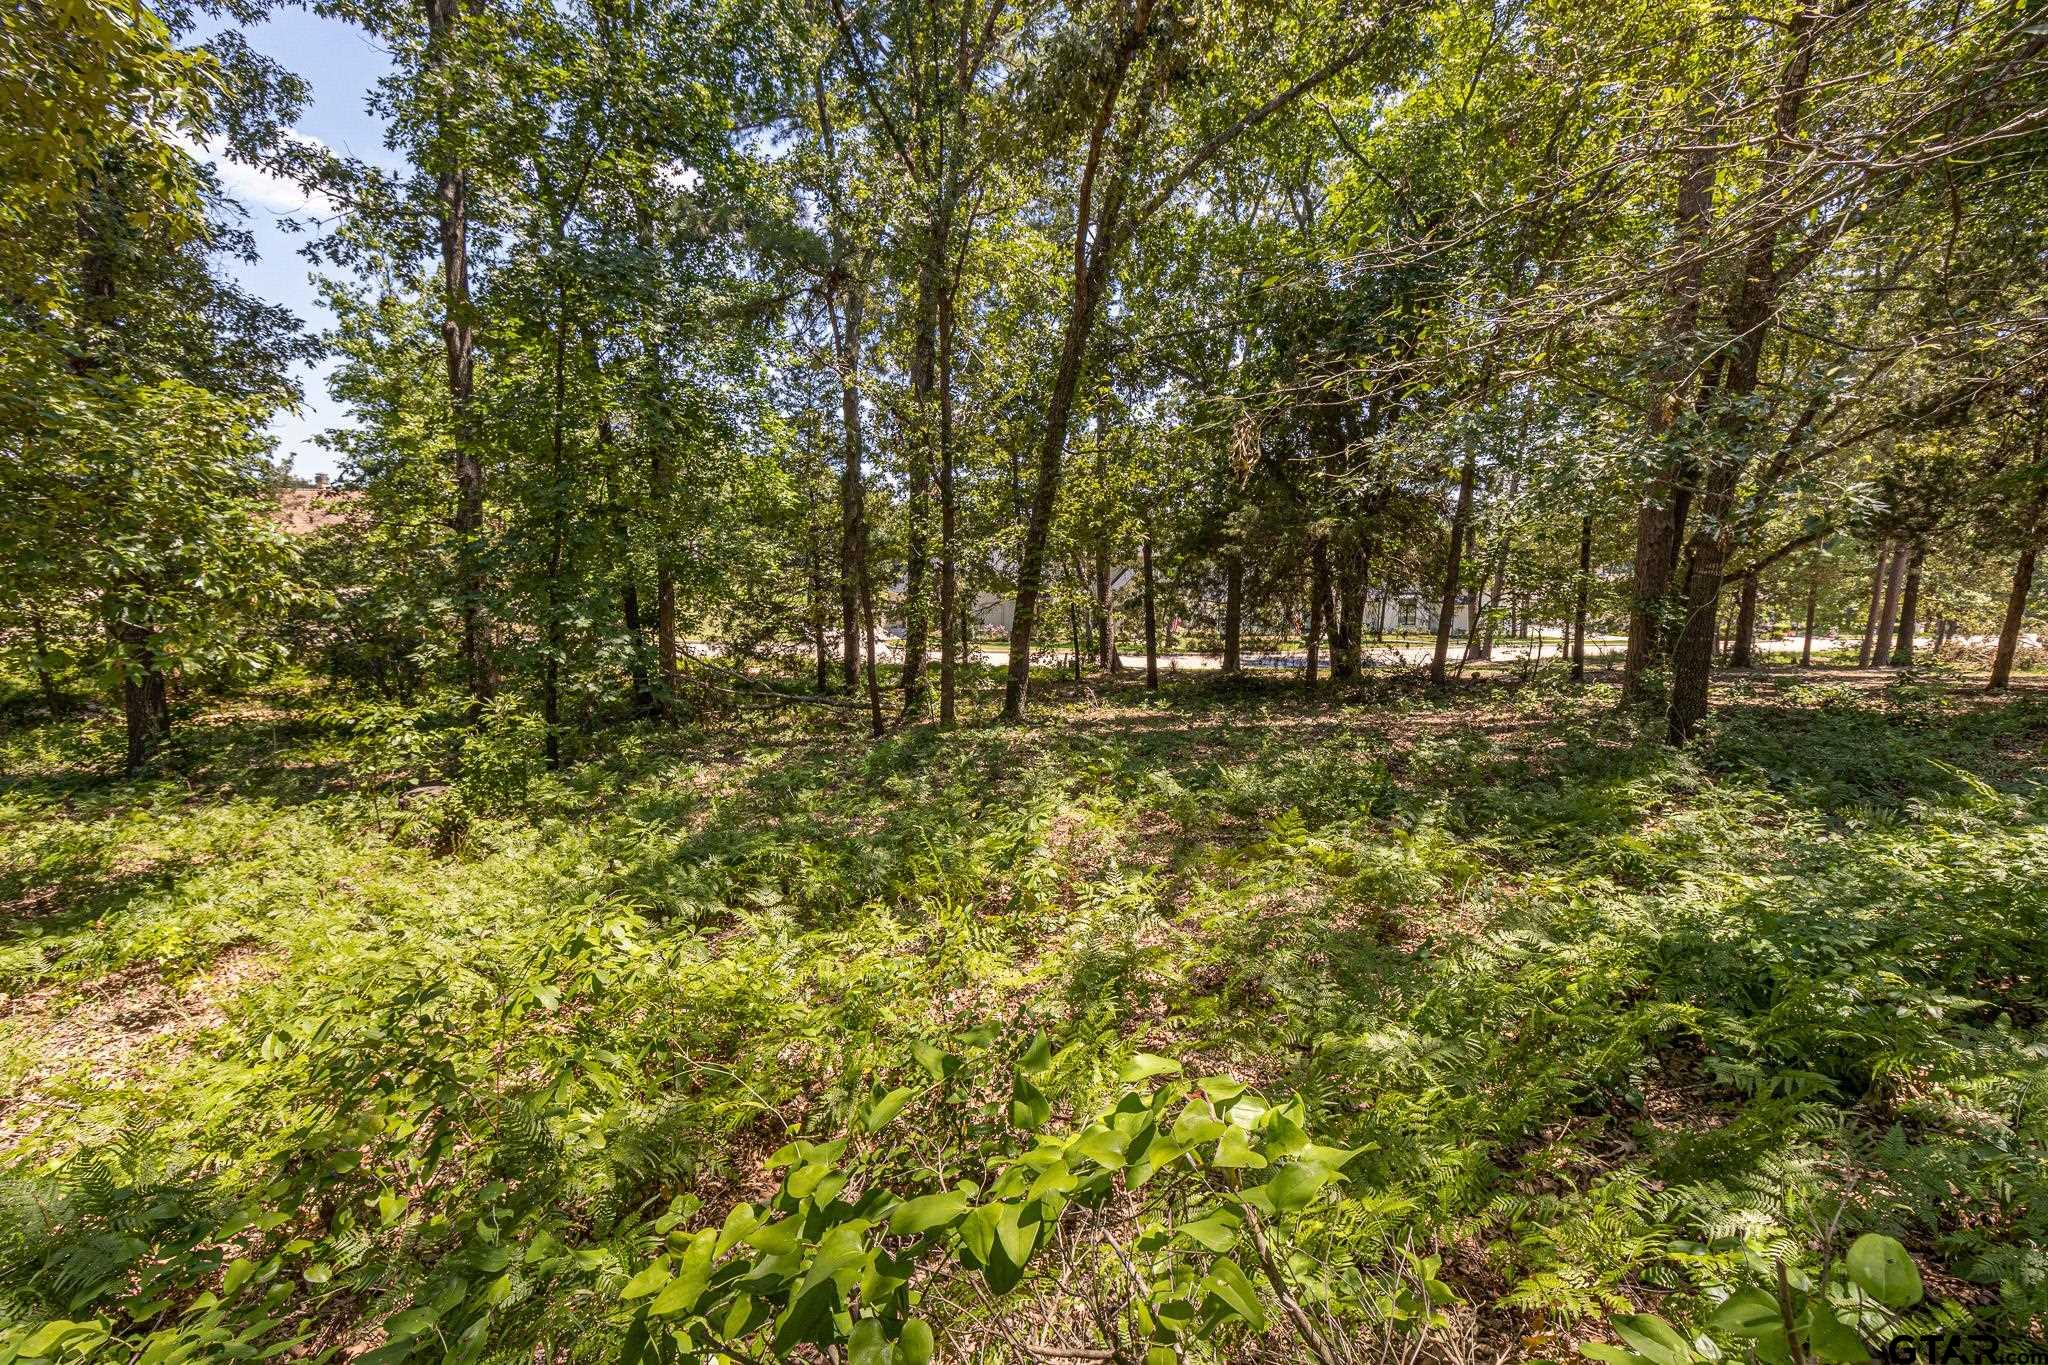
x=1220, y=1025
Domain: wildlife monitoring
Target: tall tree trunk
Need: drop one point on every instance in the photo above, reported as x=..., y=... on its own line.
x=558, y=531
x=1233, y=611
x=1909, y=608
x=1744, y=652
x=1453, y=566
x=1806, y=648
x=1151, y=616
x=1881, y=653
x=1318, y=594
x=950, y=656
x=853, y=568
x=815, y=592
x=144, y=705
x=1876, y=595
x=458, y=342
x=1660, y=517
x=2015, y=616
x=1579, y=602
x=931, y=285
x=1044, y=497
x=46, y=681
x=867, y=618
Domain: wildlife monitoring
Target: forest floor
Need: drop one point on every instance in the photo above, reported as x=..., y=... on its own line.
x=1603, y=1018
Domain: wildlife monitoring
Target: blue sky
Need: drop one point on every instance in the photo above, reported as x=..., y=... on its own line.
x=341, y=63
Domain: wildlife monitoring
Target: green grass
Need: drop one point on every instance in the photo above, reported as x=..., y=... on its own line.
x=1611, y=1026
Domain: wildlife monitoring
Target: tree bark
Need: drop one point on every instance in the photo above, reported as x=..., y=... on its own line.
x=1806, y=648
x=1881, y=653
x=46, y=682
x=1151, y=616
x=1909, y=608
x=2015, y=616
x=847, y=319
x=1579, y=604
x=458, y=342
x=1318, y=594
x=1233, y=611
x=949, y=568
x=1460, y=521
x=1744, y=653
x=1877, y=581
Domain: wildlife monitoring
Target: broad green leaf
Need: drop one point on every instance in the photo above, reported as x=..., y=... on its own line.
x=1037, y=1059
x=650, y=1278
x=1748, y=1313
x=1143, y=1066
x=882, y=1110
x=866, y=1344
x=1229, y=1283
x=1102, y=1145
x=777, y=1238
x=1653, y=1338
x=1831, y=1339
x=1234, y=1151
x=914, y=1343
x=1882, y=1268
x=916, y=1216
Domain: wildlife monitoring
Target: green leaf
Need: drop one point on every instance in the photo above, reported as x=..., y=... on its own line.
x=917, y=1216
x=1143, y=1066
x=778, y=1238
x=1102, y=1145
x=1016, y=1236
x=866, y=1344
x=978, y=1232
x=410, y=1323
x=693, y=1273
x=650, y=1278
x=1230, y=1284
x=1028, y=1108
x=1748, y=1313
x=1883, y=1269
x=1037, y=1059
x=1234, y=1151
x=1653, y=1338
x=1831, y=1339
x=1216, y=1230
x=914, y=1343
x=237, y=1276
x=887, y=1107
x=1295, y=1184
x=938, y=1065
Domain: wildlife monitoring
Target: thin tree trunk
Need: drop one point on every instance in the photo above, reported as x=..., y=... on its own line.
x=1318, y=592
x=1909, y=608
x=1579, y=604
x=867, y=616
x=2015, y=616
x=558, y=492
x=1151, y=617
x=1806, y=648
x=1877, y=580
x=1881, y=653
x=852, y=487
x=1233, y=611
x=1744, y=652
x=53, y=700
x=458, y=341
x=1460, y=522
x=949, y=569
